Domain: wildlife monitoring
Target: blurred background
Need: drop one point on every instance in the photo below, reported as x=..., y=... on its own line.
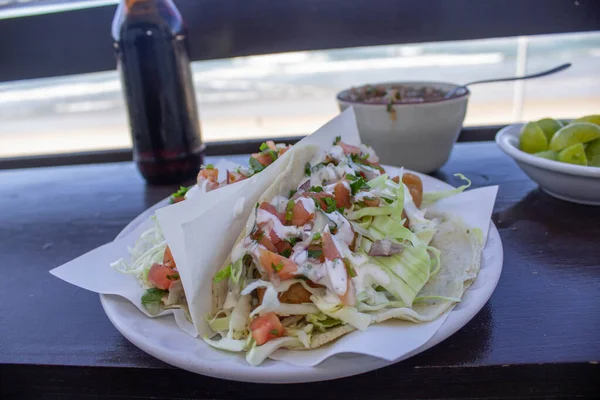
x=294, y=93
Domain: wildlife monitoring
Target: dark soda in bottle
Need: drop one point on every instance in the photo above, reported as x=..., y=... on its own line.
x=152, y=55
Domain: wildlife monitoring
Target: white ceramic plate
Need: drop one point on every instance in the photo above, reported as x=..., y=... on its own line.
x=575, y=183
x=161, y=338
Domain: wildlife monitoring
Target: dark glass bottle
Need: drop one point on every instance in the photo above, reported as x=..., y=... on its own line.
x=152, y=55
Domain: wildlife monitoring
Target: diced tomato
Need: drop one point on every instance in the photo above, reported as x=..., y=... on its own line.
x=168, y=260
x=271, y=209
x=283, y=247
x=299, y=214
x=374, y=202
x=268, y=244
x=319, y=197
x=378, y=166
x=342, y=195
x=286, y=268
x=161, y=276
x=266, y=327
x=348, y=298
x=316, y=249
x=263, y=158
x=210, y=174
x=405, y=219
x=412, y=180
x=271, y=145
x=348, y=148
x=415, y=186
x=329, y=250
x=282, y=150
x=233, y=177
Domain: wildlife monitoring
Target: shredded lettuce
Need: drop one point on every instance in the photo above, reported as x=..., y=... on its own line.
x=151, y=300
x=219, y=324
x=149, y=249
x=226, y=343
x=432, y=197
x=345, y=314
x=322, y=322
x=408, y=271
x=257, y=354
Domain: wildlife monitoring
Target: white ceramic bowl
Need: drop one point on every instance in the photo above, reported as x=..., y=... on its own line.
x=569, y=182
x=422, y=135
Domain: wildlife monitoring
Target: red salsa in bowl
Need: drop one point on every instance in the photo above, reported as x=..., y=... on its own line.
x=393, y=94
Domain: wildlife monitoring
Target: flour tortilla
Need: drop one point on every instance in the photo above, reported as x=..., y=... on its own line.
x=460, y=257
x=288, y=180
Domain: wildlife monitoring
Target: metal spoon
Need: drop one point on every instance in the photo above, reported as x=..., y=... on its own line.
x=513, y=78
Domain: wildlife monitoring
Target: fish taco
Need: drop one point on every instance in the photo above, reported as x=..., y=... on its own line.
x=334, y=245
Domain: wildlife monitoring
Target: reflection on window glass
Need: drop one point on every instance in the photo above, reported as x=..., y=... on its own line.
x=294, y=93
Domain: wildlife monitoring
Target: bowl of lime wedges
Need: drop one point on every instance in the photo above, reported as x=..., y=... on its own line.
x=563, y=157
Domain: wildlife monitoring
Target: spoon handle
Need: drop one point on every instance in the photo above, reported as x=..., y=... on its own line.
x=518, y=78
x=512, y=78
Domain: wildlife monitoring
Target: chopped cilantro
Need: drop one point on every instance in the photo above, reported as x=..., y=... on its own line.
x=286, y=253
x=173, y=277
x=349, y=268
x=315, y=254
x=337, y=139
x=330, y=203
x=316, y=189
x=180, y=193
x=289, y=210
x=263, y=146
x=273, y=154
x=358, y=184
x=351, y=177
x=209, y=166
x=153, y=296
x=223, y=274
x=274, y=332
x=255, y=166
x=277, y=267
x=316, y=236
x=307, y=170
x=293, y=241
x=292, y=192
x=389, y=201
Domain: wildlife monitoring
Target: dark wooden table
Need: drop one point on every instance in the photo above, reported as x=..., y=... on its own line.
x=538, y=336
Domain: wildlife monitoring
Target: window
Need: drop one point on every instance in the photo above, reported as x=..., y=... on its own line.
x=294, y=93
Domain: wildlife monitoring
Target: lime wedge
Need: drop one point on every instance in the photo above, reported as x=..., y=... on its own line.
x=574, y=154
x=532, y=138
x=592, y=152
x=594, y=119
x=549, y=126
x=580, y=132
x=550, y=155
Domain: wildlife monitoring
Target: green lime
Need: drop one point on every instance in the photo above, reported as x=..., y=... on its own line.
x=592, y=152
x=580, y=132
x=532, y=138
x=594, y=119
x=574, y=154
x=549, y=154
x=549, y=126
